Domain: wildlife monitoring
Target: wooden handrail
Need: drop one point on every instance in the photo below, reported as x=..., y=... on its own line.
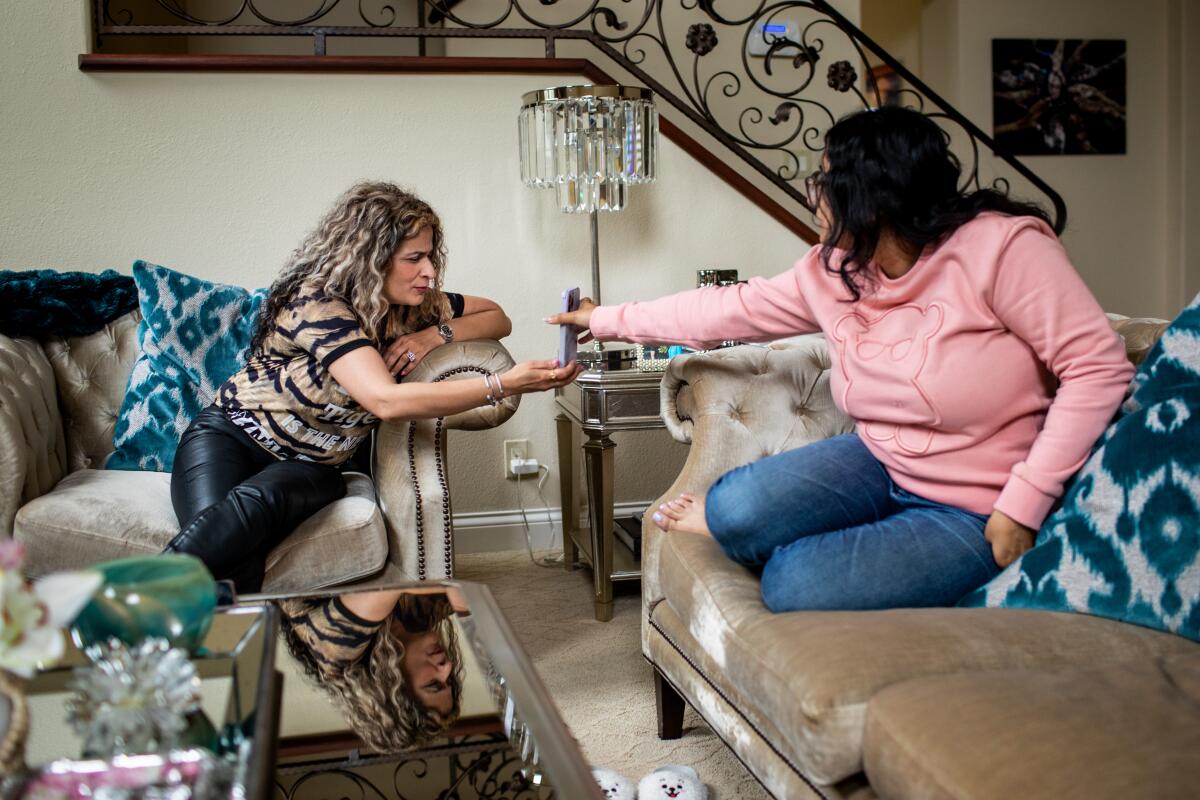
x=122, y=62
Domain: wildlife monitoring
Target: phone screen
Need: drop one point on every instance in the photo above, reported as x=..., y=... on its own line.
x=568, y=335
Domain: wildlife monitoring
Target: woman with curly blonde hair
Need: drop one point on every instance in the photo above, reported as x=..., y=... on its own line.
x=390, y=660
x=358, y=305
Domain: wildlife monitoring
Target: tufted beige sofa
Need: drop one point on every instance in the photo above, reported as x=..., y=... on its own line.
x=907, y=703
x=58, y=407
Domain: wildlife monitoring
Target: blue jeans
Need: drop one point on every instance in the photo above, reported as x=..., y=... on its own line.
x=830, y=530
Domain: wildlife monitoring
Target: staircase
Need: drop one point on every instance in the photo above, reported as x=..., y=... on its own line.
x=748, y=88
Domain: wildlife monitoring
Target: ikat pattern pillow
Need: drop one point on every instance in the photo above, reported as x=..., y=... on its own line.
x=193, y=335
x=1126, y=542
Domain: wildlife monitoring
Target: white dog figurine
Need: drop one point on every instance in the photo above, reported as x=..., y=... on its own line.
x=614, y=785
x=675, y=782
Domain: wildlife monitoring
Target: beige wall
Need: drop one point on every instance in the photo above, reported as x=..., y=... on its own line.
x=895, y=25
x=1183, y=167
x=1118, y=206
x=220, y=175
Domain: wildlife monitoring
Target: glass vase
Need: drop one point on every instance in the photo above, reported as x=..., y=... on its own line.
x=171, y=596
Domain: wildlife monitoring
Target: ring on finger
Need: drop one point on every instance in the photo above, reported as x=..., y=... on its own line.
x=410, y=355
x=553, y=376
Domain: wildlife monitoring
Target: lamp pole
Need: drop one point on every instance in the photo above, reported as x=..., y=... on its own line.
x=597, y=345
x=595, y=258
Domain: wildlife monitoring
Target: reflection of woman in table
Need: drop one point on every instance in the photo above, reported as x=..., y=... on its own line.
x=389, y=659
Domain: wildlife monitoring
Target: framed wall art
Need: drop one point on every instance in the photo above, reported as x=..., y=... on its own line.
x=1059, y=96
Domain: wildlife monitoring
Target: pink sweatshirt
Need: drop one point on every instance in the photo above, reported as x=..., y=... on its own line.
x=950, y=370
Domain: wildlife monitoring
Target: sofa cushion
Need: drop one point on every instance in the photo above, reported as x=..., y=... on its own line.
x=1126, y=542
x=1125, y=731
x=192, y=337
x=344, y=541
x=87, y=518
x=813, y=672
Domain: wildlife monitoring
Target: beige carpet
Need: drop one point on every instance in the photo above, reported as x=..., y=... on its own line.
x=596, y=673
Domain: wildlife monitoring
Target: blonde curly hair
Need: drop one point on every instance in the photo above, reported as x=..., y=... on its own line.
x=348, y=255
x=373, y=692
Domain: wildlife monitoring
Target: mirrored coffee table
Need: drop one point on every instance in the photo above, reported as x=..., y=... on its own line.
x=415, y=690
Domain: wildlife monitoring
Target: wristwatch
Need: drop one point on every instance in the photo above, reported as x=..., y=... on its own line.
x=446, y=332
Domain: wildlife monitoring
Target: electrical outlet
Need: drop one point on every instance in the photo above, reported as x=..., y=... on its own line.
x=514, y=448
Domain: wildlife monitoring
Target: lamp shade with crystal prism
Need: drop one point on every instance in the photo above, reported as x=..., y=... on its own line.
x=588, y=143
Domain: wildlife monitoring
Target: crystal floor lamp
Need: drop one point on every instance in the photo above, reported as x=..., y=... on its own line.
x=589, y=144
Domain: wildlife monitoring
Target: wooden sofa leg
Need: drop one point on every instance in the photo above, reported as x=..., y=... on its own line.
x=670, y=708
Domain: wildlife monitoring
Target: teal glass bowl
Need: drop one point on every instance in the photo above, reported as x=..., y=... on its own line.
x=171, y=596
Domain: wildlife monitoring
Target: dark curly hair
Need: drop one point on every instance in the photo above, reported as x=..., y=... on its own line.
x=890, y=170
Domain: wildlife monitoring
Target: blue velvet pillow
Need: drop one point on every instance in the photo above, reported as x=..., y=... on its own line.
x=1126, y=542
x=193, y=335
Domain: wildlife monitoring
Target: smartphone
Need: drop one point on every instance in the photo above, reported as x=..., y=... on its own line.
x=568, y=335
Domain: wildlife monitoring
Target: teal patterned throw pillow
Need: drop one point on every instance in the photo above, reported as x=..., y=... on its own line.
x=1126, y=542
x=193, y=335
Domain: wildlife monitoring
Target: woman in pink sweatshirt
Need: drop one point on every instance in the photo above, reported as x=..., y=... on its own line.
x=977, y=365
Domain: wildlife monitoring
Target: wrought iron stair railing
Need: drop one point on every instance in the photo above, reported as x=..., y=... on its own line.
x=770, y=111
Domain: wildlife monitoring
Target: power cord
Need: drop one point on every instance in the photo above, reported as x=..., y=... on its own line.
x=547, y=561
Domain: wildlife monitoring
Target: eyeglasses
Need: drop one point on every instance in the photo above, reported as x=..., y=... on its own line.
x=812, y=188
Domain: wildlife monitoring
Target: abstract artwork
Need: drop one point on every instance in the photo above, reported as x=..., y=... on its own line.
x=1058, y=96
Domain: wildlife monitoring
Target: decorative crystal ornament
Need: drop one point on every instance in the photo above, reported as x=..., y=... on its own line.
x=133, y=699
x=589, y=143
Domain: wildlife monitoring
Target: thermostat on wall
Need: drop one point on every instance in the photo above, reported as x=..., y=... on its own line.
x=765, y=33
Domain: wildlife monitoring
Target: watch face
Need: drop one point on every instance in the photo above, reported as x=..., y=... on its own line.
x=446, y=332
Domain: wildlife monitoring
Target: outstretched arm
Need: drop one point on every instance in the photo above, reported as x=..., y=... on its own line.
x=481, y=319
x=363, y=374
x=759, y=310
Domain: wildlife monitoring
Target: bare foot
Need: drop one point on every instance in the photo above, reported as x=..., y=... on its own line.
x=684, y=513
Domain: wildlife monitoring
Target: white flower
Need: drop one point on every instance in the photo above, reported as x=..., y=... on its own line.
x=32, y=618
x=66, y=593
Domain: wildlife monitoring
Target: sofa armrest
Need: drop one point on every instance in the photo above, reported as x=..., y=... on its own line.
x=739, y=404
x=33, y=452
x=735, y=406
x=1139, y=334
x=410, y=461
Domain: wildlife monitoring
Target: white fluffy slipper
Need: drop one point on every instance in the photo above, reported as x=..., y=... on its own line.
x=614, y=785
x=674, y=782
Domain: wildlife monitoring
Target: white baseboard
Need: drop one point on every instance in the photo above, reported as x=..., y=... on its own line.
x=490, y=531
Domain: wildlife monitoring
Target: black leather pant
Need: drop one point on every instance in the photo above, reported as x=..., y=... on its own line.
x=235, y=501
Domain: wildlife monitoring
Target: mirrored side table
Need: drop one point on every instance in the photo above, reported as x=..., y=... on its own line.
x=600, y=403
